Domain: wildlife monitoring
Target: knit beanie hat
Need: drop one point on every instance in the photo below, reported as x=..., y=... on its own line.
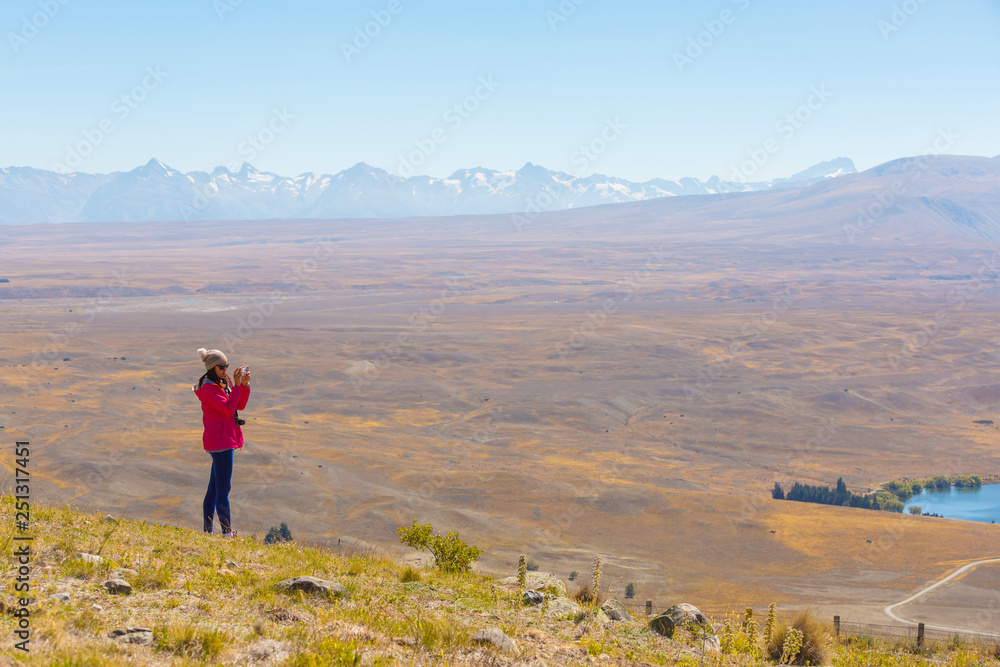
x=212, y=358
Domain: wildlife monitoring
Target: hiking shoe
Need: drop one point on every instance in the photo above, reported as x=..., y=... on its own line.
x=232, y=534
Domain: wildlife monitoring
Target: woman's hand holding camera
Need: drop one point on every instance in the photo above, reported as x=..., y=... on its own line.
x=241, y=376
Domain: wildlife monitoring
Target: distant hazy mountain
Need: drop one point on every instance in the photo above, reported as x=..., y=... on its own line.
x=946, y=199
x=156, y=192
x=35, y=195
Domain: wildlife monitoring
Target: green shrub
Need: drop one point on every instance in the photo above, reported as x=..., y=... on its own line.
x=275, y=535
x=887, y=503
x=451, y=554
x=902, y=490
x=894, y=506
x=968, y=481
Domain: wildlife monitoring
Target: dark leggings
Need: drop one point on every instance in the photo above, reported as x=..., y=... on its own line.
x=217, y=497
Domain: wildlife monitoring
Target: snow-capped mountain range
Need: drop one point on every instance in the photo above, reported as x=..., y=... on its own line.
x=156, y=192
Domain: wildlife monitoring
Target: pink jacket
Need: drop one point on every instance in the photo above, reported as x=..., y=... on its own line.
x=219, y=415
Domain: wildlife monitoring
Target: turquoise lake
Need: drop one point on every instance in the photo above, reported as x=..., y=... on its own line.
x=982, y=504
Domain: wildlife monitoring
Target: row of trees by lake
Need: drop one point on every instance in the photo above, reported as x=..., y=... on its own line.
x=906, y=490
x=889, y=499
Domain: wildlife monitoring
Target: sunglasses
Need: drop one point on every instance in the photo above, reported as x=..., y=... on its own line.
x=223, y=366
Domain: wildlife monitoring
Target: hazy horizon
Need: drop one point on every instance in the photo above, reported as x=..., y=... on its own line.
x=688, y=91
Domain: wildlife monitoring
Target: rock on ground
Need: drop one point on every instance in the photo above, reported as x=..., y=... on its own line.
x=118, y=586
x=496, y=638
x=615, y=611
x=680, y=615
x=560, y=607
x=533, y=597
x=541, y=581
x=142, y=636
x=312, y=585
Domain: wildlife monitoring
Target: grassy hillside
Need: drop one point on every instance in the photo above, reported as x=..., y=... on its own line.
x=209, y=600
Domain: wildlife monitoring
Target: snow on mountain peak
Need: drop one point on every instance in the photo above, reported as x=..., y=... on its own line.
x=155, y=191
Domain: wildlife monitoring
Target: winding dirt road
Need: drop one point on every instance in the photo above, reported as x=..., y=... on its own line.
x=889, y=610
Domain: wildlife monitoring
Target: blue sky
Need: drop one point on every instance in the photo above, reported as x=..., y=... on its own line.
x=648, y=89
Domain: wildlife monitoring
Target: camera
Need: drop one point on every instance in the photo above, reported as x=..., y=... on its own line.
x=241, y=422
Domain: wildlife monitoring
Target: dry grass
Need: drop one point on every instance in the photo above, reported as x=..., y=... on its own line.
x=422, y=431
x=815, y=640
x=203, y=615
x=586, y=596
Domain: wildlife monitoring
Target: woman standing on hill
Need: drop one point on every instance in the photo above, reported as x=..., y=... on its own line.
x=220, y=400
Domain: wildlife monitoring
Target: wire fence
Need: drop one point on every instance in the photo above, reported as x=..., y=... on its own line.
x=918, y=635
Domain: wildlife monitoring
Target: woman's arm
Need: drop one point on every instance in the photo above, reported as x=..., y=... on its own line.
x=216, y=400
x=244, y=382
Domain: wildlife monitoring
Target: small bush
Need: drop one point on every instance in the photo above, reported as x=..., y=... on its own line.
x=815, y=640
x=275, y=535
x=410, y=574
x=451, y=554
x=586, y=595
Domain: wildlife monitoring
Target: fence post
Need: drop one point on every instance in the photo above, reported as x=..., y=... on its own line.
x=920, y=635
x=649, y=607
x=836, y=626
